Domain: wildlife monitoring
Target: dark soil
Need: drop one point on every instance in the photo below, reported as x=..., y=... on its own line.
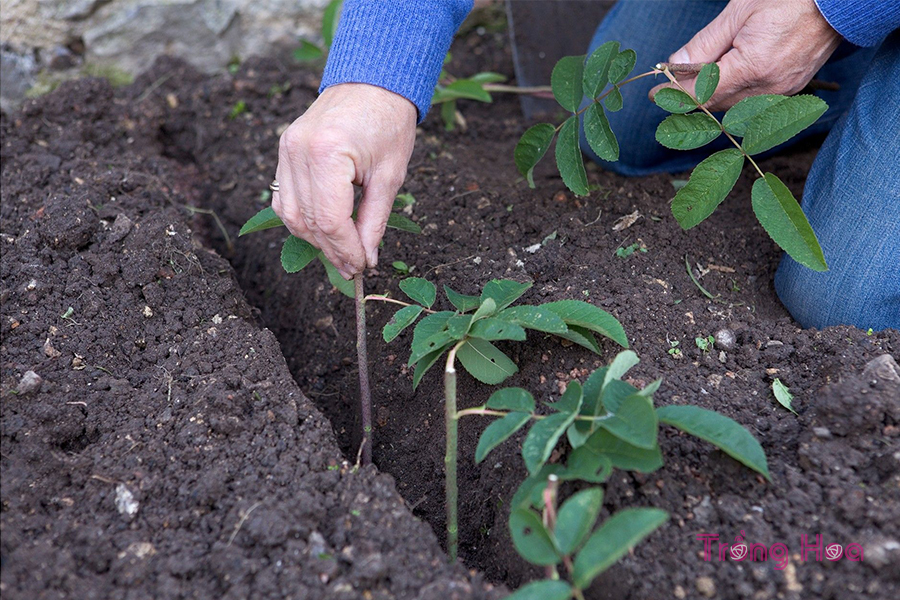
x=168, y=140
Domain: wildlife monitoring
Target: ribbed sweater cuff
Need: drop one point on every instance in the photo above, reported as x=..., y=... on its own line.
x=862, y=22
x=398, y=45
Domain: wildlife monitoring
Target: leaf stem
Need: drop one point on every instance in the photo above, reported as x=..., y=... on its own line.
x=393, y=301
x=671, y=77
x=481, y=410
x=362, y=361
x=515, y=89
x=451, y=418
x=609, y=91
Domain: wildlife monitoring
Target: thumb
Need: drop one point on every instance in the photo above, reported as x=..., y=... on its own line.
x=372, y=216
x=711, y=42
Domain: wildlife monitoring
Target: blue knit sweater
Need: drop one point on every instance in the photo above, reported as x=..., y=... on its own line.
x=400, y=44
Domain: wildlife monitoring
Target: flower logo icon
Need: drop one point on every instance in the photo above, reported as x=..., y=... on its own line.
x=738, y=551
x=834, y=551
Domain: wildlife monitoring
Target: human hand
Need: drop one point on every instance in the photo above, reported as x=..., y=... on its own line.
x=353, y=134
x=761, y=47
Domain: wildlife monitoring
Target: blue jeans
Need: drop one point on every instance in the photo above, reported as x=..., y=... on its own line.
x=852, y=193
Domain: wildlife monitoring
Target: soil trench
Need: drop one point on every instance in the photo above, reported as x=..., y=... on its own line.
x=835, y=465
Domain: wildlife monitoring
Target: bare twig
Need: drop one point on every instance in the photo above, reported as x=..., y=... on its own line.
x=362, y=359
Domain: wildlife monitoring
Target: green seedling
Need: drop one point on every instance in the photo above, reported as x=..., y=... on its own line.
x=468, y=334
x=239, y=108
x=674, y=350
x=761, y=123
x=296, y=254
x=705, y=343
x=629, y=250
x=606, y=423
x=401, y=268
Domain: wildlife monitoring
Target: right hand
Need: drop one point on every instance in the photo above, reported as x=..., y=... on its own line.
x=353, y=134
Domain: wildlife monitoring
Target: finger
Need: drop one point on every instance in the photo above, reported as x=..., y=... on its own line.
x=737, y=80
x=285, y=201
x=329, y=213
x=373, y=213
x=711, y=42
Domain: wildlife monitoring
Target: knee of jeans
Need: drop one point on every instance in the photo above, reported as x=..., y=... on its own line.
x=634, y=159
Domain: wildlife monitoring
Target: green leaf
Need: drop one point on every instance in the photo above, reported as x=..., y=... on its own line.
x=504, y=291
x=488, y=77
x=396, y=221
x=458, y=326
x=426, y=362
x=401, y=201
x=427, y=334
x=581, y=336
x=542, y=438
x=568, y=158
x=307, y=52
x=616, y=537
x=711, y=181
x=513, y=398
x=720, y=431
x=531, y=149
x=462, y=302
x=547, y=589
x=530, y=490
x=596, y=69
x=686, y=132
x=576, y=518
x=600, y=136
x=586, y=465
x=344, y=286
x=402, y=319
x=614, y=101
x=635, y=422
x=783, y=395
x=566, y=82
x=674, y=101
x=296, y=254
x=420, y=290
x=707, y=80
x=330, y=18
x=493, y=329
x=488, y=307
x=620, y=365
x=623, y=455
x=534, y=317
x=264, y=219
x=571, y=399
x=781, y=216
x=622, y=65
x=588, y=316
x=498, y=432
x=615, y=392
x=738, y=116
x=782, y=121
x=461, y=88
x=448, y=113
x=531, y=539
x=485, y=362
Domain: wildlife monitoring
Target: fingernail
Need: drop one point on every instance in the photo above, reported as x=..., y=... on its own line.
x=348, y=270
x=681, y=56
x=373, y=258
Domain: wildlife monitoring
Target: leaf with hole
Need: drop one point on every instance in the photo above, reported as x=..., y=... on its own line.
x=402, y=319
x=599, y=134
x=344, y=286
x=686, y=132
x=503, y=291
x=531, y=149
x=781, y=216
x=706, y=83
x=493, y=329
x=674, y=101
x=296, y=254
x=719, y=430
x=596, y=68
x=585, y=464
x=547, y=589
x=566, y=82
x=782, y=121
x=568, y=158
x=588, y=316
x=709, y=184
x=462, y=302
x=264, y=219
x=531, y=539
x=419, y=290
x=498, y=432
x=619, y=534
x=738, y=116
x=622, y=65
x=623, y=455
x=402, y=223
x=576, y=518
x=485, y=362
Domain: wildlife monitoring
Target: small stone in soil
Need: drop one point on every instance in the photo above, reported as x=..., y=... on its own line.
x=125, y=502
x=706, y=586
x=30, y=382
x=725, y=339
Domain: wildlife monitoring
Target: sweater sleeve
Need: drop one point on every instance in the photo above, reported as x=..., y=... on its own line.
x=862, y=22
x=397, y=45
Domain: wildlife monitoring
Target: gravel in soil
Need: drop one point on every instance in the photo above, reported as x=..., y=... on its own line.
x=835, y=466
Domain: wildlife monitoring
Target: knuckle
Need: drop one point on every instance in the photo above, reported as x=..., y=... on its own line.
x=328, y=225
x=324, y=145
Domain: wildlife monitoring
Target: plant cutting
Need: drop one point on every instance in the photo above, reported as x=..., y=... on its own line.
x=761, y=123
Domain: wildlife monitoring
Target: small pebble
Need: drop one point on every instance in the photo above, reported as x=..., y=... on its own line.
x=823, y=433
x=725, y=339
x=706, y=586
x=30, y=382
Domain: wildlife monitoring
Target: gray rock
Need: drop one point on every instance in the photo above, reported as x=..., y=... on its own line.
x=883, y=367
x=725, y=339
x=30, y=383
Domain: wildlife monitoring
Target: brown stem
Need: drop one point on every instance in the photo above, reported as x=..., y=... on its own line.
x=362, y=361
